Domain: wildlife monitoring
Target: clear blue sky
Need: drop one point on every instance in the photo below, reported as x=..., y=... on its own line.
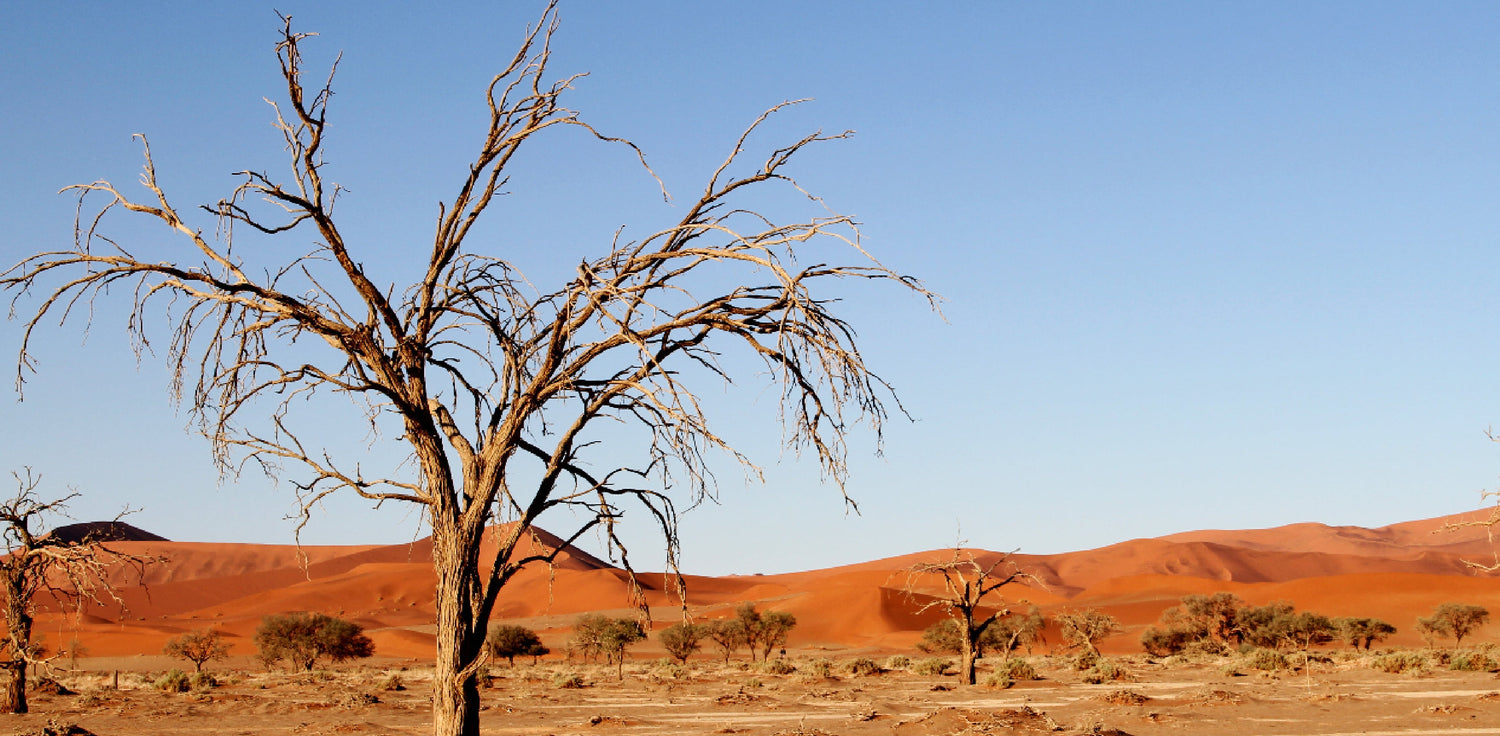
x=1207, y=264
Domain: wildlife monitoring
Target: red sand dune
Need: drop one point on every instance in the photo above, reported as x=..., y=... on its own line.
x=1396, y=572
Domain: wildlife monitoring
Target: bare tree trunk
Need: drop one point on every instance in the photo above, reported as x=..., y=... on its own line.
x=15, y=688
x=18, y=626
x=970, y=652
x=455, y=693
x=455, y=558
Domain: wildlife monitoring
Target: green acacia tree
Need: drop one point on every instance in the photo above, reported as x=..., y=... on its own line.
x=681, y=640
x=617, y=636
x=509, y=641
x=1361, y=632
x=726, y=634
x=1457, y=620
x=303, y=638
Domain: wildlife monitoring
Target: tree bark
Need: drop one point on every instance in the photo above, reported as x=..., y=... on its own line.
x=970, y=653
x=455, y=686
x=18, y=626
x=15, y=688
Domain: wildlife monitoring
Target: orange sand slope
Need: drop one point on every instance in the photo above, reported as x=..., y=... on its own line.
x=1396, y=573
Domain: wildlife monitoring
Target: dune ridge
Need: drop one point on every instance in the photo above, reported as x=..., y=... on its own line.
x=1395, y=572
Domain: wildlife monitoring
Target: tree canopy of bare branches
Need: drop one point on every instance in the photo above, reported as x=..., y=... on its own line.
x=471, y=366
x=966, y=583
x=72, y=571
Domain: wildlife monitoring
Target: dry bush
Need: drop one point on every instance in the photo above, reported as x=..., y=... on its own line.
x=1267, y=660
x=1403, y=662
x=932, y=666
x=998, y=681
x=1105, y=670
x=1124, y=697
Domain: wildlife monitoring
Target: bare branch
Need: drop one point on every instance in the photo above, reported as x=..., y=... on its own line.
x=480, y=375
x=73, y=571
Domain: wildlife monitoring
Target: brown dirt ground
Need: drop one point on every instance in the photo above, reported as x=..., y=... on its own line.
x=1202, y=698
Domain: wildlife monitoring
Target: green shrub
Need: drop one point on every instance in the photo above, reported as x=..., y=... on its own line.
x=667, y=668
x=568, y=681
x=1471, y=662
x=898, y=662
x=998, y=681
x=203, y=681
x=932, y=666
x=1086, y=660
x=1401, y=662
x=393, y=683
x=863, y=667
x=820, y=668
x=1103, y=671
x=175, y=681
x=778, y=666
x=1018, y=669
x=1268, y=660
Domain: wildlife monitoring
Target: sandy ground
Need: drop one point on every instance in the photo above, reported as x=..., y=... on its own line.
x=710, y=698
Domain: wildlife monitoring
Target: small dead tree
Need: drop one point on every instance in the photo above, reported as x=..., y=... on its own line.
x=1083, y=630
x=199, y=646
x=73, y=572
x=966, y=584
x=501, y=392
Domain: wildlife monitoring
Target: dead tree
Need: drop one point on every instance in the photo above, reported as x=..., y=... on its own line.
x=966, y=583
x=469, y=365
x=74, y=572
x=1489, y=525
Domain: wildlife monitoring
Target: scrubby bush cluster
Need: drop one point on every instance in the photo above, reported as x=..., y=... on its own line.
x=1222, y=622
x=1267, y=660
x=932, y=666
x=175, y=681
x=779, y=666
x=1105, y=670
x=1018, y=669
x=1401, y=662
x=1472, y=662
x=1005, y=635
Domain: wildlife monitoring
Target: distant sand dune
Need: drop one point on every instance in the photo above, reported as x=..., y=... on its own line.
x=1397, y=572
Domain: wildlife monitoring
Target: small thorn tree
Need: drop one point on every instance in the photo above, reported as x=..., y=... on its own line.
x=199, y=647
x=966, y=583
x=1457, y=620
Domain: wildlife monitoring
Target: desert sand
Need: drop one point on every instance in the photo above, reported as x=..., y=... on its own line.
x=869, y=610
